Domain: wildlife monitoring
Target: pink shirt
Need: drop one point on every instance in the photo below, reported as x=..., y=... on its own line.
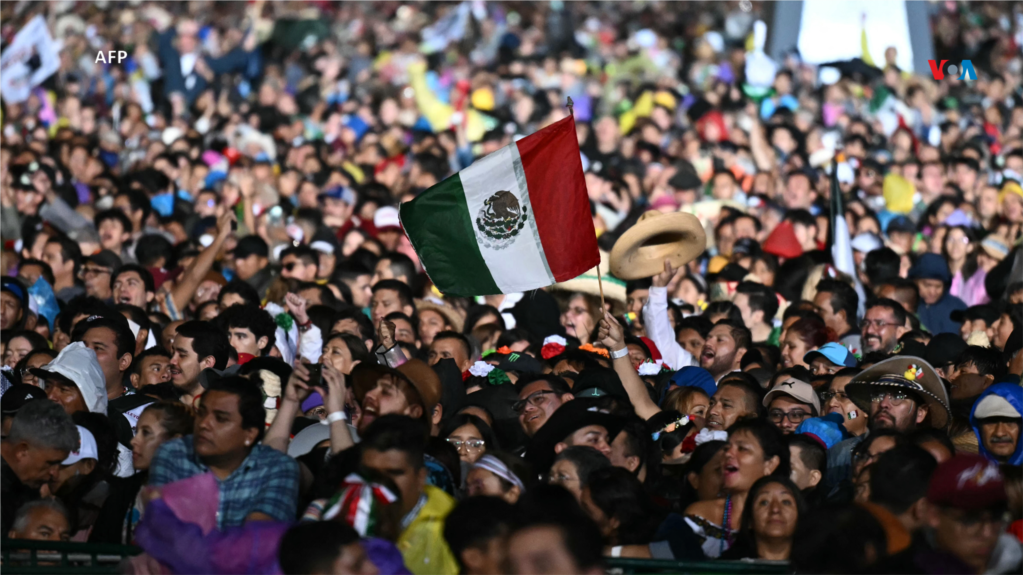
x=971, y=291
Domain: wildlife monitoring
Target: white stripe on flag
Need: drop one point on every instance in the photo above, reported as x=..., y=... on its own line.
x=519, y=266
x=841, y=254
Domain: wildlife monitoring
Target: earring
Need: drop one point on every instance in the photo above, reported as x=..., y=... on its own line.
x=247, y=442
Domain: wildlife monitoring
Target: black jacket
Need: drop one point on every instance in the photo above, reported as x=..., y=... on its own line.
x=109, y=526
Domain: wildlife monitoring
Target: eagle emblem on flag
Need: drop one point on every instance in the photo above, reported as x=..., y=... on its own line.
x=500, y=220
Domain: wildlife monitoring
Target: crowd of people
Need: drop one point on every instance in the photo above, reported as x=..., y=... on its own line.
x=219, y=346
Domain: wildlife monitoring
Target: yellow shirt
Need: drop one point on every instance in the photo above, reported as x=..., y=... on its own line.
x=422, y=545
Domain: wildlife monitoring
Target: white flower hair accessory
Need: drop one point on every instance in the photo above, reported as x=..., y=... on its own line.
x=650, y=367
x=481, y=369
x=706, y=435
x=555, y=339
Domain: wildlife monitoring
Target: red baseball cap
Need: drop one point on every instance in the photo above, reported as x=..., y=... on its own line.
x=969, y=482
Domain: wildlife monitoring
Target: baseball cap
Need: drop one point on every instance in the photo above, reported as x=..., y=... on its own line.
x=836, y=353
x=105, y=258
x=322, y=247
x=86, y=448
x=18, y=395
x=944, y=349
x=746, y=246
x=342, y=193
x=969, y=482
x=798, y=390
x=993, y=405
x=515, y=362
x=900, y=224
x=249, y=246
x=386, y=217
x=16, y=287
x=986, y=312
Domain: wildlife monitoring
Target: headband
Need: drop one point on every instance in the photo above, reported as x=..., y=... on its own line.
x=498, y=468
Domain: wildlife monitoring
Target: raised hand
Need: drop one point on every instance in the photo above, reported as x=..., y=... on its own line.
x=609, y=333
x=296, y=307
x=666, y=277
x=298, y=384
x=386, y=330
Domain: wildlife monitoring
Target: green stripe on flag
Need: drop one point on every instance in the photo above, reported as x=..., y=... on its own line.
x=441, y=231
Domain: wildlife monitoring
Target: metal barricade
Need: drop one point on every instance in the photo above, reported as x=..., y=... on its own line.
x=56, y=557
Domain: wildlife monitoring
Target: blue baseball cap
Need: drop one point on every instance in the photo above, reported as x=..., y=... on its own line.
x=692, y=376
x=836, y=353
x=342, y=193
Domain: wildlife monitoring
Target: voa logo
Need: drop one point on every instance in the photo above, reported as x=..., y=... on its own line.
x=966, y=69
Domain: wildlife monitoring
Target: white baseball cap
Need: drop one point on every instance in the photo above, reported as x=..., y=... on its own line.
x=386, y=217
x=86, y=448
x=995, y=406
x=322, y=247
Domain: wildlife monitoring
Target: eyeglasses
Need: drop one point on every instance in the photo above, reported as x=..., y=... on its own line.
x=894, y=397
x=86, y=272
x=860, y=457
x=561, y=479
x=290, y=266
x=469, y=444
x=974, y=523
x=534, y=399
x=879, y=324
x=795, y=416
x=826, y=396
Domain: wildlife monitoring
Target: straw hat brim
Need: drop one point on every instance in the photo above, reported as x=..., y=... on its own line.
x=588, y=283
x=640, y=252
x=454, y=319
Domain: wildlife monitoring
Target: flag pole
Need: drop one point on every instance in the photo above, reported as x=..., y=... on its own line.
x=600, y=280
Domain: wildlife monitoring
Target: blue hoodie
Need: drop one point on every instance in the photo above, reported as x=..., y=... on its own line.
x=1012, y=393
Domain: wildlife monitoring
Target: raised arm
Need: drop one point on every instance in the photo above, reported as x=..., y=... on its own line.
x=610, y=334
x=185, y=287
x=278, y=436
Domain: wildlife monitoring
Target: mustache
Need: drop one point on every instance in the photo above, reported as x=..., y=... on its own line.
x=1002, y=439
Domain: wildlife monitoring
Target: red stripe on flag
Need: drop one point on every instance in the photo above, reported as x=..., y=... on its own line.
x=561, y=206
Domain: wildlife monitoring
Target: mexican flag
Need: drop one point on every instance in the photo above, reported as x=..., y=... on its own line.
x=516, y=220
x=841, y=238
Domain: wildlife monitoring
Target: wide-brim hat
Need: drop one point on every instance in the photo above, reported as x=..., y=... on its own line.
x=413, y=372
x=908, y=372
x=454, y=319
x=587, y=283
x=568, y=419
x=640, y=251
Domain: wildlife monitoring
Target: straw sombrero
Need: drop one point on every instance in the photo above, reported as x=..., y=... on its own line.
x=614, y=288
x=450, y=315
x=640, y=252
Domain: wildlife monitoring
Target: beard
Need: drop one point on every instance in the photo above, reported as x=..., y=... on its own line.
x=721, y=364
